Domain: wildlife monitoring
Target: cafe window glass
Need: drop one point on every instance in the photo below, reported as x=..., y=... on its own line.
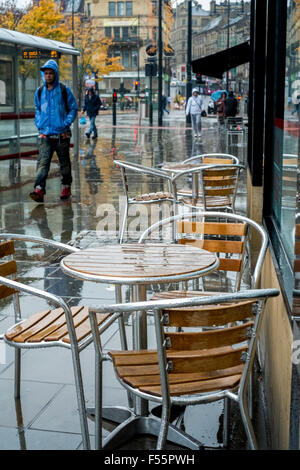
x=28, y=76
x=6, y=85
x=286, y=138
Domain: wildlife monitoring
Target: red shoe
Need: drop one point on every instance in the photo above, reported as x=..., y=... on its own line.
x=66, y=192
x=37, y=195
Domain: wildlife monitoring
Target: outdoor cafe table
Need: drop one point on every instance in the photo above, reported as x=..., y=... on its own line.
x=139, y=265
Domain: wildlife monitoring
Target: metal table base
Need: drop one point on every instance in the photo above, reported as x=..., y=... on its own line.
x=131, y=425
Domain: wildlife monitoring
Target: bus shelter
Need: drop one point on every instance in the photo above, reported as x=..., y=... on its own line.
x=21, y=56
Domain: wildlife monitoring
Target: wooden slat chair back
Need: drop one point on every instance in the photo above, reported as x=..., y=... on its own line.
x=222, y=233
x=219, y=187
x=226, y=239
x=62, y=326
x=191, y=367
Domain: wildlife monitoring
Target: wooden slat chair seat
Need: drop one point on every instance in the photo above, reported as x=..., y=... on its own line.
x=51, y=326
x=194, y=365
x=151, y=197
x=47, y=328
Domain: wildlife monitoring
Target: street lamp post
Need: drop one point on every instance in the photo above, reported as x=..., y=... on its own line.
x=189, y=57
x=73, y=23
x=228, y=41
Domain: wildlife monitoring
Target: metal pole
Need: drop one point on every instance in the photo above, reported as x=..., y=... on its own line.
x=73, y=23
x=160, y=62
x=189, y=58
x=228, y=42
x=150, y=103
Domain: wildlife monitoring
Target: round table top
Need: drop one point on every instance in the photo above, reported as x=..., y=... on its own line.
x=176, y=167
x=140, y=263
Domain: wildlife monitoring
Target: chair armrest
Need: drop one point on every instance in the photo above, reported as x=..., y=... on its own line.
x=42, y=241
x=142, y=169
x=54, y=299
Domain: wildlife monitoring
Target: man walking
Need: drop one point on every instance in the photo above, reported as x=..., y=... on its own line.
x=92, y=104
x=55, y=110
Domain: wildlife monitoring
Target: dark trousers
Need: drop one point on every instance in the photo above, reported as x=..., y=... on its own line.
x=47, y=147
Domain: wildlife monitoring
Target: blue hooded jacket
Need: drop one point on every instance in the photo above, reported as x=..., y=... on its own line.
x=50, y=111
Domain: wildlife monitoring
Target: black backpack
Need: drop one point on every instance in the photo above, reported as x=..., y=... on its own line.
x=63, y=92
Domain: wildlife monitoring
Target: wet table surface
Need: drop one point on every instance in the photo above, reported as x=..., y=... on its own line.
x=140, y=263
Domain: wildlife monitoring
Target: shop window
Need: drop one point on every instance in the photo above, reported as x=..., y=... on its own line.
x=125, y=58
x=125, y=33
x=117, y=32
x=108, y=31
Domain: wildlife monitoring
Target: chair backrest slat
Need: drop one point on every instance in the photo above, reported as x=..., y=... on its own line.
x=6, y=291
x=211, y=228
x=7, y=248
x=215, y=246
x=209, y=360
x=219, y=182
x=208, y=339
x=217, y=161
x=8, y=268
x=208, y=316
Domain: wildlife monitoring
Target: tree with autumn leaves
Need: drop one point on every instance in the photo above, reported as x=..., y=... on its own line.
x=45, y=20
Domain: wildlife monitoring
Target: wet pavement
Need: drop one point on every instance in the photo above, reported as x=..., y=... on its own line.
x=47, y=417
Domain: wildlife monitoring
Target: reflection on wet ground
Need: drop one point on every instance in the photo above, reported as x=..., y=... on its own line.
x=47, y=416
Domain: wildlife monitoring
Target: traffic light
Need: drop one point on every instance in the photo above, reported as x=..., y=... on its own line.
x=136, y=85
x=115, y=97
x=199, y=78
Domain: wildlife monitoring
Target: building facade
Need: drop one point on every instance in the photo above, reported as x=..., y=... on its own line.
x=133, y=26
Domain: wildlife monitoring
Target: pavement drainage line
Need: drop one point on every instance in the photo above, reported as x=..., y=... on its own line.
x=44, y=408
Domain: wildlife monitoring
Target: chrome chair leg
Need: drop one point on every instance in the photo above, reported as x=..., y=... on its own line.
x=124, y=219
x=81, y=400
x=17, y=382
x=247, y=422
x=226, y=421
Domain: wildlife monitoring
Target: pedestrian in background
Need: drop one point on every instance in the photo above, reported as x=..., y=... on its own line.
x=231, y=105
x=55, y=111
x=194, y=108
x=164, y=102
x=220, y=104
x=92, y=104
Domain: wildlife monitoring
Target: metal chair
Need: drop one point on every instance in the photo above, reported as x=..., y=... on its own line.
x=160, y=197
x=149, y=198
x=188, y=367
x=221, y=233
x=217, y=188
x=63, y=326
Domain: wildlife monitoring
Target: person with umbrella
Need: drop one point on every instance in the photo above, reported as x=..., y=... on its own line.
x=194, y=108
